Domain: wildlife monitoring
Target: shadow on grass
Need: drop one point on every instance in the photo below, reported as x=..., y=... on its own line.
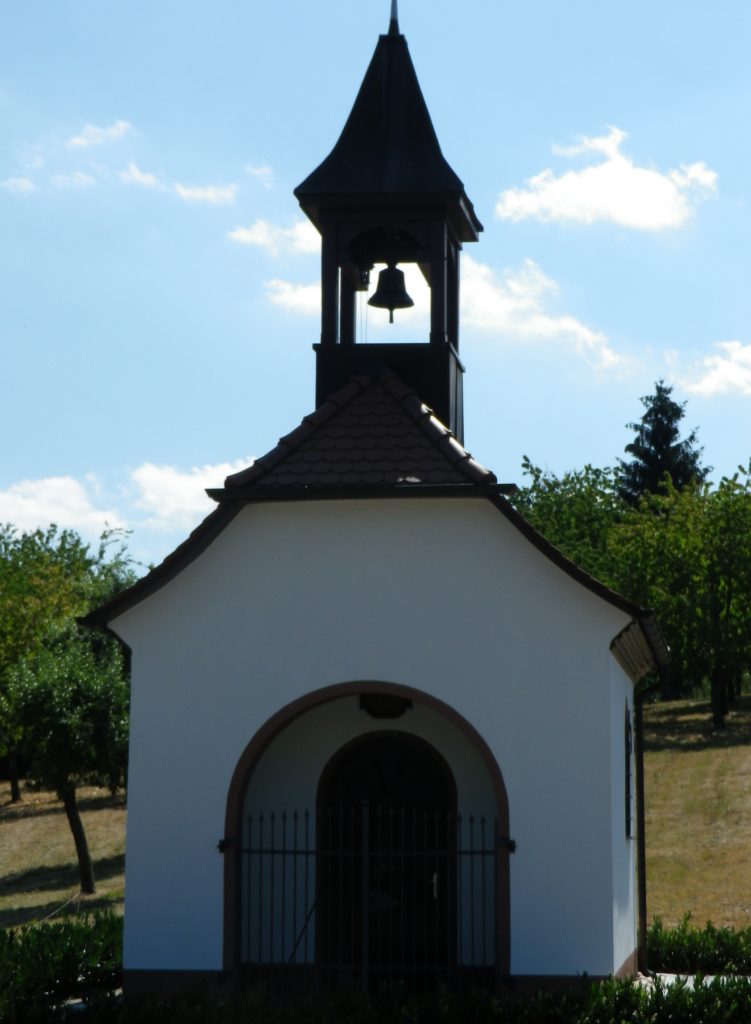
x=59, y=876
x=12, y=812
x=58, y=910
x=687, y=725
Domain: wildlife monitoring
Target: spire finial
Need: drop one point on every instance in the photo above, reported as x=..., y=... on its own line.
x=394, y=23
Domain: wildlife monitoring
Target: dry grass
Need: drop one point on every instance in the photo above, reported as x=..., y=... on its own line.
x=698, y=806
x=698, y=787
x=38, y=860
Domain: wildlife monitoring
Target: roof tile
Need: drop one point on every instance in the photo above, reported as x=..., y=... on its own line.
x=375, y=431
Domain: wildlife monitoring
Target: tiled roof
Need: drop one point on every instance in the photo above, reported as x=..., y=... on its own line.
x=376, y=437
x=374, y=432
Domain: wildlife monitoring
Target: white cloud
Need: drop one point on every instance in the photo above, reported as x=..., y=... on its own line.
x=513, y=308
x=133, y=175
x=727, y=371
x=176, y=499
x=298, y=298
x=262, y=173
x=62, y=500
x=19, y=186
x=77, y=179
x=301, y=237
x=613, y=189
x=216, y=195
x=93, y=135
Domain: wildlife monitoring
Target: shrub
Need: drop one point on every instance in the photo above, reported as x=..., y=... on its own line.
x=690, y=950
x=43, y=965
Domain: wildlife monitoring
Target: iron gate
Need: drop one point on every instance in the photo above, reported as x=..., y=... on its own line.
x=361, y=896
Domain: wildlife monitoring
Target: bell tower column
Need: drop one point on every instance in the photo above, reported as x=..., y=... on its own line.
x=329, y=286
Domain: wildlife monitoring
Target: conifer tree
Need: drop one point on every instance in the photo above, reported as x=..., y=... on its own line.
x=657, y=450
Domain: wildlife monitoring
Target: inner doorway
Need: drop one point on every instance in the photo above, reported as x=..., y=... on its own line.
x=386, y=861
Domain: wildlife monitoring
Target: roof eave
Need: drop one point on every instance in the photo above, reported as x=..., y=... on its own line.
x=194, y=544
x=456, y=205
x=640, y=647
x=256, y=493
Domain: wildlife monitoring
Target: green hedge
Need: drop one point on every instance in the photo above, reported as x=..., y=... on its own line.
x=41, y=966
x=610, y=1002
x=690, y=950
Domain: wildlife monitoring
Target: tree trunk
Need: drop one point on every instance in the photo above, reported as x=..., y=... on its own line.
x=67, y=794
x=719, y=698
x=15, y=781
x=730, y=689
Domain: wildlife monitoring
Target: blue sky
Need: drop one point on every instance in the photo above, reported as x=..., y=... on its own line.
x=159, y=284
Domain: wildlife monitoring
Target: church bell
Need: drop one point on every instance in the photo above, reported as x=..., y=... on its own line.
x=391, y=293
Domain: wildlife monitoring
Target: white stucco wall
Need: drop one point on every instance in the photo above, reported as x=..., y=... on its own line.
x=441, y=595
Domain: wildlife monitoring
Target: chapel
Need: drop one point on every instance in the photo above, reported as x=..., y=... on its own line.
x=381, y=730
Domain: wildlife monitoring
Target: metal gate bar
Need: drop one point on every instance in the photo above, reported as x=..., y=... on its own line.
x=361, y=896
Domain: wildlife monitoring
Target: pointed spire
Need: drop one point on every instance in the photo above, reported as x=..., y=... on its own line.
x=394, y=23
x=388, y=143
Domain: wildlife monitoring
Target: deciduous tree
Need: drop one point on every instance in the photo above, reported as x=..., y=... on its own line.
x=63, y=691
x=576, y=512
x=71, y=702
x=45, y=581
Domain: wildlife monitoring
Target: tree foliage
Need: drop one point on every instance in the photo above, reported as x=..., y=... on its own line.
x=686, y=554
x=657, y=453
x=63, y=699
x=576, y=512
x=72, y=706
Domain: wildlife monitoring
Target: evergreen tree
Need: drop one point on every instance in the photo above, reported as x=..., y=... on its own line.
x=657, y=450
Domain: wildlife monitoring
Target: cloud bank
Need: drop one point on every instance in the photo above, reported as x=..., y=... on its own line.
x=614, y=190
x=728, y=371
x=513, y=307
x=93, y=135
x=63, y=500
x=151, y=499
x=262, y=173
x=215, y=195
x=176, y=499
x=18, y=185
x=301, y=237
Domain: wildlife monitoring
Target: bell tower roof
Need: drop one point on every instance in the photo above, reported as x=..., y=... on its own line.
x=388, y=145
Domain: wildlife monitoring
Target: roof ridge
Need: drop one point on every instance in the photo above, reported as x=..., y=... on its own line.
x=403, y=397
x=439, y=434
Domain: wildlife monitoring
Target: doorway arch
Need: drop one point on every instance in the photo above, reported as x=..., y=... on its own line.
x=231, y=845
x=391, y=768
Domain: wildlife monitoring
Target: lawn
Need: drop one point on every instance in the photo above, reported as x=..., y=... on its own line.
x=37, y=857
x=698, y=806
x=698, y=785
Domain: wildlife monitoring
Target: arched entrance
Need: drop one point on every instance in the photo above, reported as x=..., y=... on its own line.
x=386, y=866
x=278, y=751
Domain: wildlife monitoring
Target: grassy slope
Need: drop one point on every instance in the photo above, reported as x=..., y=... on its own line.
x=698, y=785
x=698, y=797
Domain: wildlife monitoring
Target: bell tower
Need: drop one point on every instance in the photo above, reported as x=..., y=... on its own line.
x=386, y=195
